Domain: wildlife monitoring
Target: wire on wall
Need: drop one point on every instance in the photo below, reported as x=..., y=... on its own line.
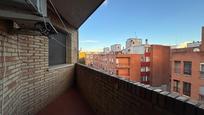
x=55, y=9
x=4, y=73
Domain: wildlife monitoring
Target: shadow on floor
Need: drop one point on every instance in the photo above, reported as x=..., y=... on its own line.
x=70, y=103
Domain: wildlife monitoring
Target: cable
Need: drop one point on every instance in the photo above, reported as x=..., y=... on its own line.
x=45, y=22
x=35, y=7
x=4, y=74
x=22, y=62
x=58, y=15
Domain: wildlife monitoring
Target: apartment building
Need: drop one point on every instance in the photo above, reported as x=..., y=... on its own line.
x=106, y=50
x=188, y=71
x=116, y=48
x=146, y=65
x=123, y=65
x=159, y=66
x=155, y=61
x=32, y=83
x=133, y=42
x=128, y=66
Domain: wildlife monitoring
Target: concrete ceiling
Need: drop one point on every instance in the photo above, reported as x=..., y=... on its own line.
x=76, y=12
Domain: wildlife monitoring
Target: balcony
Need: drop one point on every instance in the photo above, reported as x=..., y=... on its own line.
x=147, y=54
x=102, y=94
x=145, y=64
x=123, y=65
x=145, y=73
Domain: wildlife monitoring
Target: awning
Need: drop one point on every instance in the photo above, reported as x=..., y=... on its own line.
x=76, y=12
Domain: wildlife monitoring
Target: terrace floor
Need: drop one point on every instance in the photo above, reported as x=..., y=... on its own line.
x=71, y=103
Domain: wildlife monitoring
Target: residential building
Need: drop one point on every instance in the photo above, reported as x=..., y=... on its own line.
x=116, y=48
x=194, y=44
x=159, y=66
x=89, y=58
x=82, y=56
x=140, y=49
x=188, y=71
x=131, y=42
x=39, y=75
x=106, y=50
x=135, y=46
x=128, y=66
x=146, y=66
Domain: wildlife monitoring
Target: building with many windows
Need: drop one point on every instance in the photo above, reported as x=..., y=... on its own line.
x=146, y=66
x=39, y=73
x=188, y=71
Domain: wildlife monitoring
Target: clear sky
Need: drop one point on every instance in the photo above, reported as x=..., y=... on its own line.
x=165, y=22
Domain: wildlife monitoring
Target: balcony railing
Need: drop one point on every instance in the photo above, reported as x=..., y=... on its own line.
x=145, y=64
x=123, y=65
x=145, y=73
x=111, y=95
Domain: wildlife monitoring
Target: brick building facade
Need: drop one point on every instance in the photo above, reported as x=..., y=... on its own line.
x=28, y=82
x=147, y=68
x=187, y=71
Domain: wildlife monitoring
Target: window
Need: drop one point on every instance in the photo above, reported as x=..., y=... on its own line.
x=176, y=87
x=57, y=49
x=117, y=61
x=117, y=73
x=187, y=67
x=202, y=93
x=142, y=69
x=144, y=78
x=186, y=89
x=201, y=98
x=147, y=59
x=202, y=70
x=177, y=66
x=146, y=49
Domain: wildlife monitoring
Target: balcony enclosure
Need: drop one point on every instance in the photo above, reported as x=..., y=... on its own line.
x=111, y=95
x=34, y=81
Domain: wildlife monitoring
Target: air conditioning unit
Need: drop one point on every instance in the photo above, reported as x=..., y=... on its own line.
x=27, y=14
x=25, y=6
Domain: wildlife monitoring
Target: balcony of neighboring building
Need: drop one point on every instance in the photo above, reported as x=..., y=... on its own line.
x=145, y=64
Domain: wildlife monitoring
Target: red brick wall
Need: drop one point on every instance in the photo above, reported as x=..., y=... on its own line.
x=110, y=95
x=195, y=79
x=29, y=84
x=159, y=65
x=127, y=65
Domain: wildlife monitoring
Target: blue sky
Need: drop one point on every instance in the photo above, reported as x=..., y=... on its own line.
x=165, y=22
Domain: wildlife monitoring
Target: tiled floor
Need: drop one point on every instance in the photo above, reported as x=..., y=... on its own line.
x=70, y=103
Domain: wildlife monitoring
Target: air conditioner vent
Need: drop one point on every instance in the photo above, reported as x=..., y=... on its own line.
x=34, y=6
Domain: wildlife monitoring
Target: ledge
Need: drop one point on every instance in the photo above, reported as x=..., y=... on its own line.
x=156, y=101
x=56, y=67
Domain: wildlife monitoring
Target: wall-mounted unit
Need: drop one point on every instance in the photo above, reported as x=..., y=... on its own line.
x=36, y=7
x=27, y=14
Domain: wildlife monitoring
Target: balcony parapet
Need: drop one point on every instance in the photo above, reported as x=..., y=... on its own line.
x=112, y=95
